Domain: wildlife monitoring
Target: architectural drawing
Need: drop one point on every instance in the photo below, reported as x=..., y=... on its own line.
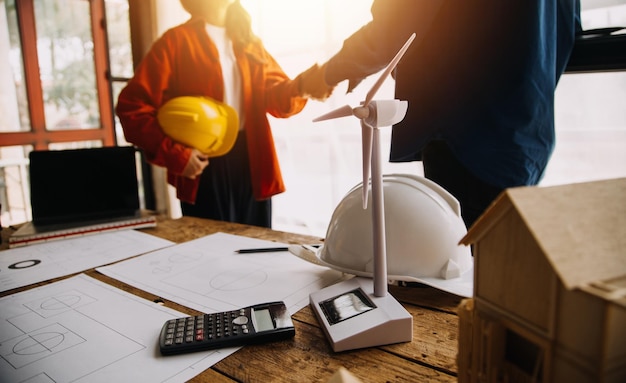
x=208, y=275
x=23, y=266
x=83, y=330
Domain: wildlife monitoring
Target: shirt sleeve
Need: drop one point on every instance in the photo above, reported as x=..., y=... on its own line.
x=369, y=49
x=282, y=93
x=137, y=108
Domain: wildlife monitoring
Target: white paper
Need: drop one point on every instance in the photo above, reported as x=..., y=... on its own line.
x=83, y=330
x=23, y=266
x=208, y=275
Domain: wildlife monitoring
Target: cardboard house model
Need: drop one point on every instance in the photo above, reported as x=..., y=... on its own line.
x=549, y=299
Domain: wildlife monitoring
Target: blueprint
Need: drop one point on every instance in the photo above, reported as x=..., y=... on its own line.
x=208, y=275
x=83, y=330
x=23, y=266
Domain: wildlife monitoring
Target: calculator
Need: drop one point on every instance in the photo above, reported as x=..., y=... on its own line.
x=260, y=323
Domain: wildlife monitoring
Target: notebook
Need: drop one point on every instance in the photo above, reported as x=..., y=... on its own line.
x=81, y=191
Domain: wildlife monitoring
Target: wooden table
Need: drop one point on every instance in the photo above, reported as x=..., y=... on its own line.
x=308, y=357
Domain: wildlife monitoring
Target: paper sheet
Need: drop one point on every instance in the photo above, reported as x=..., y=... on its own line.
x=83, y=330
x=208, y=275
x=23, y=266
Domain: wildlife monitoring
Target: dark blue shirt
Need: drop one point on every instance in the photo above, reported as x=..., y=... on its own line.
x=481, y=75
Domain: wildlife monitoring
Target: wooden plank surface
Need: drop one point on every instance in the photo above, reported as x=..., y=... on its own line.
x=308, y=357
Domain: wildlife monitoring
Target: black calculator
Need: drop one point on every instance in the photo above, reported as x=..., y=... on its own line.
x=260, y=323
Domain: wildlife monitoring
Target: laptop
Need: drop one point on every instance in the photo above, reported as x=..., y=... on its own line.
x=81, y=191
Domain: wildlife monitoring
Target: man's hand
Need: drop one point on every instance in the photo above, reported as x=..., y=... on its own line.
x=196, y=164
x=313, y=85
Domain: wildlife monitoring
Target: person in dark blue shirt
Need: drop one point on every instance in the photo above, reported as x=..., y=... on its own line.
x=480, y=78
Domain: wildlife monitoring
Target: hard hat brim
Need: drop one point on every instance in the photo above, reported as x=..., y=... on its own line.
x=462, y=286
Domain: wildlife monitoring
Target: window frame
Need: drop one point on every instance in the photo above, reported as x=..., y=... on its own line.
x=38, y=137
x=597, y=50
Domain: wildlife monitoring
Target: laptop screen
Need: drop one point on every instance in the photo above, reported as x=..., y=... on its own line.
x=83, y=184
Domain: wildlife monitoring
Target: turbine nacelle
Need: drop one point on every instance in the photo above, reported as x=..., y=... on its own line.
x=381, y=113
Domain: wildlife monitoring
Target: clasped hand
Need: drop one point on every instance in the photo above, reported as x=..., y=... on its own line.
x=312, y=83
x=196, y=164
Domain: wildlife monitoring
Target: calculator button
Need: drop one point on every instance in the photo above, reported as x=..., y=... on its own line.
x=241, y=320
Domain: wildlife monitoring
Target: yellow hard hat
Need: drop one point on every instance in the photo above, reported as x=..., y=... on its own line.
x=200, y=122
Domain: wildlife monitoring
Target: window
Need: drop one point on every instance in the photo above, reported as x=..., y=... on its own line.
x=321, y=162
x=590, y=115
x=62, y=78
x=523, y=359
x=56, y=93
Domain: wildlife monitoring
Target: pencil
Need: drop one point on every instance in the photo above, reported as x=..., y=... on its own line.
x=262, y=250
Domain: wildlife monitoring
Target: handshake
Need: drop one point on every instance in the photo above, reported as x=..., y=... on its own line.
x=312, y=83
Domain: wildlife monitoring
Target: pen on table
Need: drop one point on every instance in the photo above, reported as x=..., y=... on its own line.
x=267, y=249
x=262, y=250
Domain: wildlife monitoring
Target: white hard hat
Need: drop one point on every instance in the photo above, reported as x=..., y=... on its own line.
x=423, y=228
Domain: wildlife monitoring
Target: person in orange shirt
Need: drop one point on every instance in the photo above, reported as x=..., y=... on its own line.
x=215, y=54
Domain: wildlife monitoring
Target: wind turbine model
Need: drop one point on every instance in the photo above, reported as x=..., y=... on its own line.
x=351, y=315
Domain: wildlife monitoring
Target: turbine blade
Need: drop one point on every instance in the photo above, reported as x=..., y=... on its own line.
x=367, y=133
x=388, y=70
x=344, y=111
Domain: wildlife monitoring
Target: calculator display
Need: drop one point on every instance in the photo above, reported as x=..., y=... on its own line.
x=263, y=320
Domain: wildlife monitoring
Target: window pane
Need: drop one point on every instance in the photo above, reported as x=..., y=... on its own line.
x=120, y=53
x=603, y=13
x=119, y=132
x=118, y=28
x=66, y=62
x=14, y=115
x=14, y=187
x=590, y=129
x=590, y=117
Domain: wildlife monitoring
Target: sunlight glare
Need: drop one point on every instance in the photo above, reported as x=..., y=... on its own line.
x=293, y=26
